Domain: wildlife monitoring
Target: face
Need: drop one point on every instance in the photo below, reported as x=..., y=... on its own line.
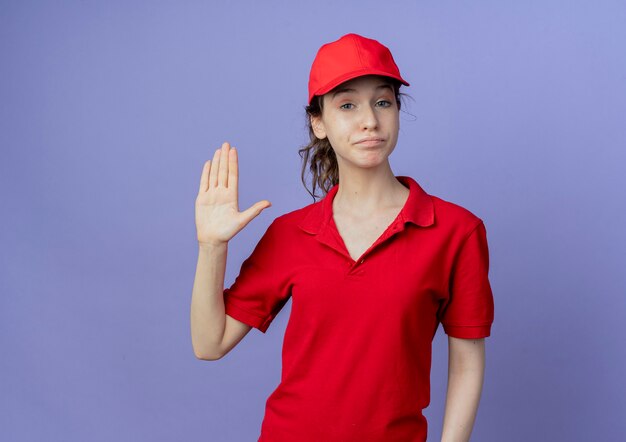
x=360, y=117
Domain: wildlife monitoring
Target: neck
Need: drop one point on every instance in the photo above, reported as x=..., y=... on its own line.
x=367, y=191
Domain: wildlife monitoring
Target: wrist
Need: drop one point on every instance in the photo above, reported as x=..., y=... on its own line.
x=212, y=245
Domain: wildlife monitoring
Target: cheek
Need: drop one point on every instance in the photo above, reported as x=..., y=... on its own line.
x=338, y=130
x=343, y=128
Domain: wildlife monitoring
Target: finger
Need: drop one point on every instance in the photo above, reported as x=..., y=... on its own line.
x=254, y=210
x=233, y=170
x=214, y=165
x=222, y=176
x=204, y=178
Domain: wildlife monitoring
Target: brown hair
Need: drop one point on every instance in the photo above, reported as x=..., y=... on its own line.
x=319, y=153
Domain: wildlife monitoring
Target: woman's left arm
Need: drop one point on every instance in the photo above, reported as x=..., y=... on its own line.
x=466, y=368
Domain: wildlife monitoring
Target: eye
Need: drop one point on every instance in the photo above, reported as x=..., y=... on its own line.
x=346, y=104
x=385, y=101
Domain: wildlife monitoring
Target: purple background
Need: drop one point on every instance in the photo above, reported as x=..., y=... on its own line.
x=109, y=109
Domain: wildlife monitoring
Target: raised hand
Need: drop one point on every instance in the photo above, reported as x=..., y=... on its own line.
x=218, y=218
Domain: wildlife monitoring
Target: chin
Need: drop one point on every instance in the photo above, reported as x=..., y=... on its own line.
x=365, y=158
x=369, y=163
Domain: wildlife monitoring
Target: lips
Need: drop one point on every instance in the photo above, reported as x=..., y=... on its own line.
x=370, y=141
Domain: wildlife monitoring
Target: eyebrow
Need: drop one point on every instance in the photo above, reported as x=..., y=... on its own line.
x=347, y=89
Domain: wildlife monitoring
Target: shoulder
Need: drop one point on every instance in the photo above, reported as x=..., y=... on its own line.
x=454, y=217
x=289, y=222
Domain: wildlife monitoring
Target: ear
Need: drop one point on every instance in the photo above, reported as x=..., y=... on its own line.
x=318, y=127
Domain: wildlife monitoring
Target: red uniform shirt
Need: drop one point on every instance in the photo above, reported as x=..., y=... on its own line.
x=357, y=347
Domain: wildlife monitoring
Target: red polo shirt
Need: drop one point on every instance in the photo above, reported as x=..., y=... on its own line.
x=357, y=347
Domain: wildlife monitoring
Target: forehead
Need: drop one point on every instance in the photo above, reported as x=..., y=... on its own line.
x=362, y=84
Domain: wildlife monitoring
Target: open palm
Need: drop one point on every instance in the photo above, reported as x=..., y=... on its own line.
x=218, y=218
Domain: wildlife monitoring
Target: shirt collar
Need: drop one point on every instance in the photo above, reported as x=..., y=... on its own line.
x=418, y=209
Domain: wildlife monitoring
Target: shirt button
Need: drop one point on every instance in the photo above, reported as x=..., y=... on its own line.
x=362, y=260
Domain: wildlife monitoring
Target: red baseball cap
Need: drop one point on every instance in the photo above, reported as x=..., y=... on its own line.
x=348, y=57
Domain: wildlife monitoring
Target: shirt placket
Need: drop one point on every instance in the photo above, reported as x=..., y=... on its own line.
x=330, y=237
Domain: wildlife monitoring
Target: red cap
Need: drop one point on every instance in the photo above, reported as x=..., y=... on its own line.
x=351, y=56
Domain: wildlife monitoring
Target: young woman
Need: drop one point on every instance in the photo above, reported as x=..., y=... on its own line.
x=372, y=269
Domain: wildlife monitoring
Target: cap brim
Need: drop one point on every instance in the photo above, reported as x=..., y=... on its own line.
x=354, y=74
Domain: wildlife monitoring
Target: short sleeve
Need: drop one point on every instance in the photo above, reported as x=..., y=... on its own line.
x=469, y=312
x=261, y=289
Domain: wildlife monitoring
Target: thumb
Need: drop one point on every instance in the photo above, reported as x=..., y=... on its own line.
x=253, y=211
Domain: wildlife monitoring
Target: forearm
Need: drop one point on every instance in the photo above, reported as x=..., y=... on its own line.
x=207, y=301
x=465, y=381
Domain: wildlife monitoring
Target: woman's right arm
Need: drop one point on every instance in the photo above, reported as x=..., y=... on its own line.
x=213, y=333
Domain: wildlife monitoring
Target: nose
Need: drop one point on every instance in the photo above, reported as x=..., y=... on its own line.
x=368, y=117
